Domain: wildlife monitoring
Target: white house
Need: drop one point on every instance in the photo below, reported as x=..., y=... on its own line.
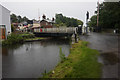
x=5, y=24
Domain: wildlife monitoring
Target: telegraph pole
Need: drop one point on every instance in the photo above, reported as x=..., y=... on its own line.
x=39, y=15
x=98, y=15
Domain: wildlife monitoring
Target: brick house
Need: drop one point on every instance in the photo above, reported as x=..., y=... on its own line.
x=46, y=23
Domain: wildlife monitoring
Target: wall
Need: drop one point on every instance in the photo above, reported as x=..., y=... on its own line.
x=0, y=14
x=6, y=19
x=0, y=21
x=0, y=47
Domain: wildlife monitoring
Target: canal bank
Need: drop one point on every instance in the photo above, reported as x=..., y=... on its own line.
x=81, y=63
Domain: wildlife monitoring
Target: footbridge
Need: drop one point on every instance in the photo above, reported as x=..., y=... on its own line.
x=55, y=32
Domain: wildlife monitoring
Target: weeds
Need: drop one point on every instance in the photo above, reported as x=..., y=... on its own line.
x=13, y=39
x=62, y=55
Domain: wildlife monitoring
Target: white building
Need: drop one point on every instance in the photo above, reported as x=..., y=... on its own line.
x=5, y=20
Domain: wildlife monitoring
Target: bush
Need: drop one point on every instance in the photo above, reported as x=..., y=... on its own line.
x=62, y=55
x=12, y=28
x=26, y=36
x=13, y=39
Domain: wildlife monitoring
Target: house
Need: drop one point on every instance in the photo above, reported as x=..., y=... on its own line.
x=5, y=25
x=46, y=23
x=36, y=23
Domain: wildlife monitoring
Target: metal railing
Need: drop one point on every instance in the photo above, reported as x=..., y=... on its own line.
x=55, y=30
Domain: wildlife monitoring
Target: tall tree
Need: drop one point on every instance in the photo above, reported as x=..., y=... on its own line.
x=109, y=16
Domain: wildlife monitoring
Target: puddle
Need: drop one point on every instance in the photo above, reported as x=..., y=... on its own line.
x=109, y=58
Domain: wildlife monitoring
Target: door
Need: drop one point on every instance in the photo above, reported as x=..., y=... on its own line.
x=3, y=31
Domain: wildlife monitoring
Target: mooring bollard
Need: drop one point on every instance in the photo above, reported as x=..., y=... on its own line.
x=75, y=38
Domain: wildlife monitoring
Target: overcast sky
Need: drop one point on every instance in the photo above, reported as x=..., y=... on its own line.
x=33, y=8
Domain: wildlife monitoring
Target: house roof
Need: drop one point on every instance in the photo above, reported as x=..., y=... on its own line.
x=5, y=8
x=49, y=21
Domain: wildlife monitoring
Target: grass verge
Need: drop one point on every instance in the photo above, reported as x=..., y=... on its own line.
x=81, y=63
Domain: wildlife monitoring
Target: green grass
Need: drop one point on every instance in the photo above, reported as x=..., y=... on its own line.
x=36, y=38
x=81, y=63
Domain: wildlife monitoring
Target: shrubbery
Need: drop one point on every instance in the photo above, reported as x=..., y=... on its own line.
x=62, y=55
x=13, y=39
x=26, y=36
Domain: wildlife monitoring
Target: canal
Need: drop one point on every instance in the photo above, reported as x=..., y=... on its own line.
x=31, y=59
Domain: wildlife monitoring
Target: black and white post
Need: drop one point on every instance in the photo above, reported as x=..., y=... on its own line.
x=87, y=17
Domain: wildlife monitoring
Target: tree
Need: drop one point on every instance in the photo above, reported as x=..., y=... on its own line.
x=25, y=18
x=109, y=15
x=66, y=21
x=13, y=18
x=19, y=19
x=80, y=22
x=93, y=21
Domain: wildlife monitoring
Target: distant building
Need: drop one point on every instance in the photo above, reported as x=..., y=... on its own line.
x=46, y=23
x=5, y=25
x=36, y=24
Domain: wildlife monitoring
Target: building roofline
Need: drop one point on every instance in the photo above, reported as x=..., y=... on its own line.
x=5, y=7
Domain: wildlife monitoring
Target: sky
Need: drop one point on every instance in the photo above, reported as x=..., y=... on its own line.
x=35, y=8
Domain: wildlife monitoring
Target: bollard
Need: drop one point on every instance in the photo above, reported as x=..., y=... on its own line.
x=75, y=38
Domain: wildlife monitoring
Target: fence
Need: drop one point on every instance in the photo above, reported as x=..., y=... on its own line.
x=55, y=30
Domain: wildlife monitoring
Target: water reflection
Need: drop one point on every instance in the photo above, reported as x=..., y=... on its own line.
x=31, y=59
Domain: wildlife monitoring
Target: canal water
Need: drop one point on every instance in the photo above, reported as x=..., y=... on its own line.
x=108, y=46
x=31, y=59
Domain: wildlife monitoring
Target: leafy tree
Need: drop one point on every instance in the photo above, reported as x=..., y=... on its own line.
x=93, y=21
x=66, y=21
x=109, y=16
x=13, y=18
x=19, y=19
x=25, y=18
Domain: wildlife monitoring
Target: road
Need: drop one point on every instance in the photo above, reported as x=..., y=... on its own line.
x=107, y=45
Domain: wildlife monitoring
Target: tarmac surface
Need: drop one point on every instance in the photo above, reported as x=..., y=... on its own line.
x=108, y=46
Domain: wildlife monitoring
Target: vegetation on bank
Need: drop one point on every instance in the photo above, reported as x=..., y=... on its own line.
x=81, y=63
x=14, y=39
